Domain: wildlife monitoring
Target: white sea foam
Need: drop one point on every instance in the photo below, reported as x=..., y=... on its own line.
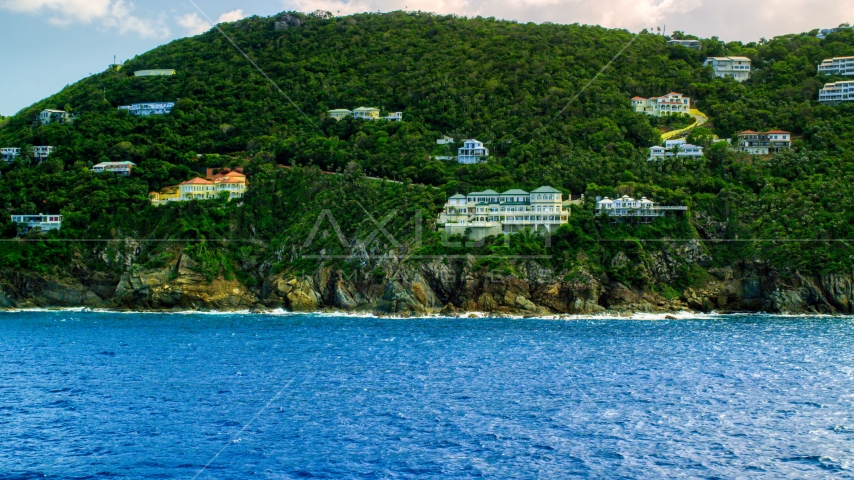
x=609, y=316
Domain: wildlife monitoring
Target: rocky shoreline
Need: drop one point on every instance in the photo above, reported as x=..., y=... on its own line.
x=395, y=287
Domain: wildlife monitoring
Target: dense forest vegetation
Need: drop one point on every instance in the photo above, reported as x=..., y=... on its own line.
x=508, y=84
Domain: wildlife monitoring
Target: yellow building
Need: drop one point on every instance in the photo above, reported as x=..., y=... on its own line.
x=233, y=183
x=168, y=194
x=162, y=72
x=367, y=113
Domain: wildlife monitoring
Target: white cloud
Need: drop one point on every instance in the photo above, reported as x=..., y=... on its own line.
x=232, y=16
x=728, y=19
x=193, y=23
x=109, y=13
x=611, y=13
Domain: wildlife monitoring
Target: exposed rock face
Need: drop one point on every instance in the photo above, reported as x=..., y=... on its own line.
x=180, y=287
x=286, y=21
x=393, y=286
x=299, y=295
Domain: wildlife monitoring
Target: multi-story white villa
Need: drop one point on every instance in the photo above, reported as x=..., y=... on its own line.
x=836, y=92
x=38, y=222
x=10, y=154
x=39, y=153
x=491, y=213
x=763, y=143
x=148, y=109
x=661, y=106
x=55, y=116
x=119, y=168
x=364, y=113
x=824, y=32
x=43, y=152
x=736, y=67
x=675, y=148
x=626, y=207
x=692, y=44
x=163, y=72
x=233, y=183
x=472, y=151
x=837, y=66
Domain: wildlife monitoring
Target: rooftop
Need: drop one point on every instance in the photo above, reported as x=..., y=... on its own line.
x=546, y=190
x=115, y=163
x=197, y=181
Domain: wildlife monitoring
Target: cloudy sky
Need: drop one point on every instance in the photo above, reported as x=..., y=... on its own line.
x=47, y=44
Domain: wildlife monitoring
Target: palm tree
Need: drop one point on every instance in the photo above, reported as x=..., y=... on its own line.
x=675, y=149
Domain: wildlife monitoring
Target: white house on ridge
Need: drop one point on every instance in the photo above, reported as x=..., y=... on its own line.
x=472, y=151
x=38, y=222
x=675, y=148
x=837, y=92
x=119, y=168
x=55, y=116
x=692, y=44
x=736, y=67
x=487, y=213
x=626, y=207
x=10, y=154
x=837, y=66
x=148, y=109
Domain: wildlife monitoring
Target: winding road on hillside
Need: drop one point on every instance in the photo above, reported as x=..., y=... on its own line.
x=700, y=118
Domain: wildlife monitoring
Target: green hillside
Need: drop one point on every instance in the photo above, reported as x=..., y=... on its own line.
x=508, y=84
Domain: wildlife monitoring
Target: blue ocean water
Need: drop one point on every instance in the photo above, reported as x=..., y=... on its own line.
x=101, y=395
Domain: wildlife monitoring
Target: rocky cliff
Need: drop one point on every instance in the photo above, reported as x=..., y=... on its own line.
x=398, y=286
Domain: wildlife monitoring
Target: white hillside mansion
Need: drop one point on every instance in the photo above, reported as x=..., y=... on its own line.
x=148, y=109
x=10, y=154
x=39, y=153
x=837, y=66
x=56, y=116
x=662, y=106
x=692, y=44
x=43, y=152
x=837, y=92
x=38, y=222
x=488, y=213
x=764, y=143
x=626, y=207
x=824, y=32
x=675, y=148
x=472, y=151
x=736, y=67
x=119, y=168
